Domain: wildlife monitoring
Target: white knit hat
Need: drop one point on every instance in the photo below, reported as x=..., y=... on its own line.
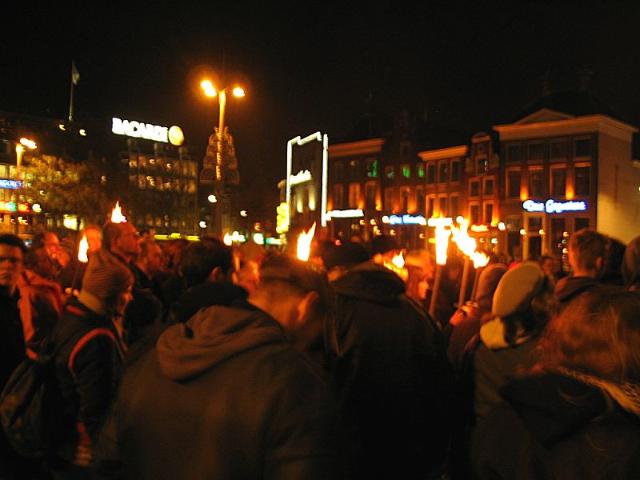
x=517, y=288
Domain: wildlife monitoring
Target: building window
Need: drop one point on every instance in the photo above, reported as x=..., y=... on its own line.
x=558, y=182
x=474, y=214
x=370, y=191
x=354, y=170
x=537, y=152
x=454, y=206
x=338, y=197
x=431, y=205
x=488, y=187
x=559, y=150
x=405, y=193
x=420, y=170
x=582, y=147
x=431, y=173
x=455, y=171
x=443, y=176
x=482, y=166
x=389, y=199
x=443, y=206
x=488, y=213
x=536, y=183
x=514, y=153
x=389, y=172
x=534, y=224
x=420, y=204
x=406, y=171
x=513, y=183
x=372, y=168
x=354, y=195
x=580, y=223
x=474, y=188
x=582, y=180
x=338, y=171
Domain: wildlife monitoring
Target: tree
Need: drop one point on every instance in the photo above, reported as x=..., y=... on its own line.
x=64, y=187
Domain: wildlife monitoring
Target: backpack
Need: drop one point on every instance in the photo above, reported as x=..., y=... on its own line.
x=30, y=392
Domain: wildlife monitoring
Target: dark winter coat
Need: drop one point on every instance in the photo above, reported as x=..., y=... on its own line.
x=87, y=375
x=392, y=374
x=556, y=427
x=569, y=288
x=222, y=396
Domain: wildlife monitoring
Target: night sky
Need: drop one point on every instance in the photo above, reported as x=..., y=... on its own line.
x=314, y=66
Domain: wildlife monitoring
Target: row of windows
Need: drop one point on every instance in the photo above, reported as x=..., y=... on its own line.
x=163, y=165
x=559, y=149
x=354, y=169
x=487, y=190
x=557, y=181
x=148, y=182
x=166, y=221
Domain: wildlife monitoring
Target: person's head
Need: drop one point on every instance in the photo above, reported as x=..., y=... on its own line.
x=383, y=248
x=547, y=265
x=420, y=266
x=151, y=258
x=338, y=259
x=122, y=239
x=292, y=292
x=488, y=282
x=93, y=233
x=587, y=252
x=108, y=283
x=523, y=300
x=206, y=261
x=51, y=244
x=12, y=252
x=597, y=334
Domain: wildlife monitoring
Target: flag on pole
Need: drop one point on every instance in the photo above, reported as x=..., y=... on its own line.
x=75, y=75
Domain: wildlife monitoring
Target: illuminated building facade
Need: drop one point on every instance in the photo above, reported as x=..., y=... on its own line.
x=563, y=172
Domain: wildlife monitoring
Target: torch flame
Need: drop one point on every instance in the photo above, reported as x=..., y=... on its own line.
x=83, y=247
x=479, y=260
x=304, y=243
x=396, y=265
x=442, y=244
x=116, y=214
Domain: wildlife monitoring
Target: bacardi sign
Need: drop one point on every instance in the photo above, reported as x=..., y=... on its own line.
x=135, y=129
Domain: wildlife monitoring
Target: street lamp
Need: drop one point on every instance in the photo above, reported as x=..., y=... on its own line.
x=211, y=91
x=23, y=145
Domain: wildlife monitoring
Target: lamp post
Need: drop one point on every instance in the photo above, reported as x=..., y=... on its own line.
x=219, y=179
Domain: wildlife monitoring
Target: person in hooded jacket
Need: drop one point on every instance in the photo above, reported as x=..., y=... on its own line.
x=577, y=414
x=88, y=363
x=392, y=376
x=587, y=253
x=224, y=396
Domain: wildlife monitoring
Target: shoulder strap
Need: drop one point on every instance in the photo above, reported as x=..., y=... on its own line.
x=86, y=338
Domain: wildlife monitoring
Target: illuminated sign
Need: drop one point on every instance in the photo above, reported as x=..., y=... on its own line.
x=13, y=207
x=300, y=177
x=354, y=213
x=10, y=184
x=407, y=219
x=551, y=206
x=134, y=129
x=440, y=221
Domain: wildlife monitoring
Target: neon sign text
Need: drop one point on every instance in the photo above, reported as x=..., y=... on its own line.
x=551, y=206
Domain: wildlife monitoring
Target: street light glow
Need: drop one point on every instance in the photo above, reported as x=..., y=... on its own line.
x=238, y=92
x=243, y=213
x=27, y=142
x=208, y=88
x=212, y=198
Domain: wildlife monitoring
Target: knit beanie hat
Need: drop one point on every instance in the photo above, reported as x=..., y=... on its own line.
x=517, y=288
x=106, y=276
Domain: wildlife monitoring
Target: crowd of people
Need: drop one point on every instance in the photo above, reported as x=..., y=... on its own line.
x=180, y=359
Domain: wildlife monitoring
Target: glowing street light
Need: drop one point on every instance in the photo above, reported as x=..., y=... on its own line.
x=210, y=91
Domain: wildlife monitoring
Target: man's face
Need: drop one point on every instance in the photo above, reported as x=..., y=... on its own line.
x=155, y=259
x=11, y=266
x=52, y=245
x=128, y=241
